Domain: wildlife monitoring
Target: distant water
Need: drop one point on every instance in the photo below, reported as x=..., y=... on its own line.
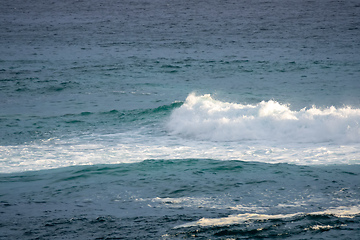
x=180, y=119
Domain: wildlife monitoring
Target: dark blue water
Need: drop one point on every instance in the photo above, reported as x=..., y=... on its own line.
x=179, y=119
x=155, y=198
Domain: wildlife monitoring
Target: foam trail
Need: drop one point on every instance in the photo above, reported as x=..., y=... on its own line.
x=340, y=212
x=204, y=118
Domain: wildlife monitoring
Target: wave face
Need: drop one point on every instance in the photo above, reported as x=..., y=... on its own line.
x=204, y=118
x=27, y=129
x=199, y=128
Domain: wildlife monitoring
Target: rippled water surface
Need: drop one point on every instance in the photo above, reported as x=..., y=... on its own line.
x=179, y=119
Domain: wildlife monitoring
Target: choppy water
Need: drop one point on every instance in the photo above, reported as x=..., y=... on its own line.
x=183, y=198
x=180, y=119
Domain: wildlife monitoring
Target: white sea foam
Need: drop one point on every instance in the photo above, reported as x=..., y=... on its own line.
x=204, y=118
x=266, y=132
x=203, y=202
x=341, y=212
x=130, y=147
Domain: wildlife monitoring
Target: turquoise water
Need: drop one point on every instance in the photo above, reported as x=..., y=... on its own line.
x=171, y=120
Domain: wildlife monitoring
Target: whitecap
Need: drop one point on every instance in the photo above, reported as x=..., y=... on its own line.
x=204, y=118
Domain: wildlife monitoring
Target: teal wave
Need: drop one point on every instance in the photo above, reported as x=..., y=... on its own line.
x=19, y=129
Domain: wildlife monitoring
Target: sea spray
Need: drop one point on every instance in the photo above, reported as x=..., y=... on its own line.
x=204, y=118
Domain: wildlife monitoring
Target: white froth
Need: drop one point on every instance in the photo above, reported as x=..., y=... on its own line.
x=341, y=212
x=204, y=118
x=126, y=148
x=205, y=128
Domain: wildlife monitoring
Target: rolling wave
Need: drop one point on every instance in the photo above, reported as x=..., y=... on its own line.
x=23, y=129
x=204, y=118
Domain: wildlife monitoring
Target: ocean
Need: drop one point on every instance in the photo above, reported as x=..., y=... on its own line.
x=162, y=119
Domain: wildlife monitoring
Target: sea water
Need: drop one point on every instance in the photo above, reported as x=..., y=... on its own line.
x=180, y=119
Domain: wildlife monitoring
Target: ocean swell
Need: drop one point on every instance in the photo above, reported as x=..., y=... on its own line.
x=204, y=118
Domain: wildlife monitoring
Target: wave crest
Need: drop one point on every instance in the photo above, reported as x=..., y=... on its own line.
x=204, y=118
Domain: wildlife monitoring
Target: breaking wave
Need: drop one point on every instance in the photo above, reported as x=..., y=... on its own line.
x=204, y=118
